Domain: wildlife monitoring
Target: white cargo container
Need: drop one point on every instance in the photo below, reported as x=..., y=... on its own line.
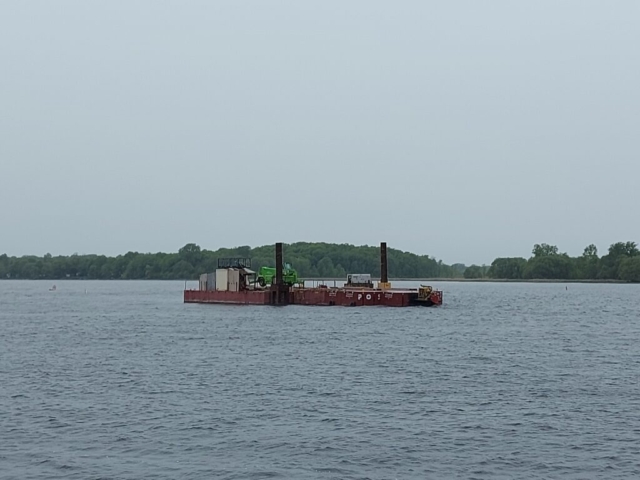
x=203, y=281
x=211, y=281
x=233, y=280
x=222, y=279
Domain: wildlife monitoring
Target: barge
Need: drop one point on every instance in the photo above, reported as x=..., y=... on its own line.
x=235, y=283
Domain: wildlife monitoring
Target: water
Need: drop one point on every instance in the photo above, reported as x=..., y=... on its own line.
x=505, y=381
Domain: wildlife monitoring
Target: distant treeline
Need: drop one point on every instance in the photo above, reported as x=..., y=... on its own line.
x=622, y=262
x=311, y=260
x=328, y=260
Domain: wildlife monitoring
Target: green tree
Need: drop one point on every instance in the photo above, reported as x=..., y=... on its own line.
x=4, y=265
x=611, y=263
x=473, y=272
x=458, y=269
x=507, y=268
x=544, y=250
x=553, y=267
x=244, y=251
x=191, y=253
x=590, y=251
x=627, y=249
x=326, y=268
x=182, y=269
x=587, y=265
x=629, y=270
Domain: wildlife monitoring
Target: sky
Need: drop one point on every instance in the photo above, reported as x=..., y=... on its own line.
x=464, y=130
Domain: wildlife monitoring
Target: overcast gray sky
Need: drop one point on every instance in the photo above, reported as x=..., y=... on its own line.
x=464, y=130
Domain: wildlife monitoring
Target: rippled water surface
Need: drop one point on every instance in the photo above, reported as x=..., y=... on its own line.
x=122, y=380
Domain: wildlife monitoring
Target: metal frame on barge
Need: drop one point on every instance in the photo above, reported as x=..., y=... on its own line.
x=234, y=283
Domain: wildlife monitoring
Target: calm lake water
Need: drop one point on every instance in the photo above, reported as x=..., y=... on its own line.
x=121, y=380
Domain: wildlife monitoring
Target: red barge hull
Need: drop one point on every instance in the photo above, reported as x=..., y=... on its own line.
x=317, y=297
